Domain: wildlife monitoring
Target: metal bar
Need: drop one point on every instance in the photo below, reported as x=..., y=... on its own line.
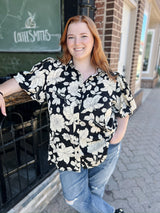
x=4, y=161
x=35, y=146
x=19, y=168
x=25, y=136
x=25, y=150
x=29, y=138
x=16, y=156
x=2, y=183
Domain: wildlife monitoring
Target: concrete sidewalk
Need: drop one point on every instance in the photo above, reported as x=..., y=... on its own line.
x=134, y=186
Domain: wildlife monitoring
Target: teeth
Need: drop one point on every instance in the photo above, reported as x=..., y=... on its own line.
x=79, y=49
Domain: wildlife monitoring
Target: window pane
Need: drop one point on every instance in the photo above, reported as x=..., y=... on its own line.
x=147, y=51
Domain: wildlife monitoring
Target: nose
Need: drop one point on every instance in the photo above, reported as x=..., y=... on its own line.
x=77, y=41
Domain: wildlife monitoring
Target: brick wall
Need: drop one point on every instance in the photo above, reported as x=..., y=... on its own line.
x=100, y=17
x=108, y=19
x=139, y=22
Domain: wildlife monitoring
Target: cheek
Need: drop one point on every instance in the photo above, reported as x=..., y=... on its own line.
x=69, y=44
x=90, y=44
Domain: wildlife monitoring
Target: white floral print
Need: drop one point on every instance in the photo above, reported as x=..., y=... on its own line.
x=92, y=103
x=83, y=115
x=73, y=88
x=57, y=123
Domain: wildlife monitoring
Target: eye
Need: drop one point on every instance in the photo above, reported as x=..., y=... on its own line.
x=70, y=37
x=84, y=36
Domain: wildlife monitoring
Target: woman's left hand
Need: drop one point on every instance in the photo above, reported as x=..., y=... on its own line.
x=121, y=130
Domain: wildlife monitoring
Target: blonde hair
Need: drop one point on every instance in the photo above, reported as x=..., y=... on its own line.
x=98, y=57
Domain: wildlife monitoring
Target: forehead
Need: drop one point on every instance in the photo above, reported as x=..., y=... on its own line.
x=78, y=28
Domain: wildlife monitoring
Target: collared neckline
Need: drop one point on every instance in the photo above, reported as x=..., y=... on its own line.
x=71, y=64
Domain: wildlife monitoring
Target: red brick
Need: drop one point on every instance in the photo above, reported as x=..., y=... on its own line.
x=109, y=25
x=100, y=11
x=109, y=12
x=99, y=4
x=110, y=1
x=98, y=18
x=108, y=37
x=109, y=19
x=108, y=31
x=110, y=5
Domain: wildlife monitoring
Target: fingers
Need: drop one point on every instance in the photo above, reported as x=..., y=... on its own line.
x=3, y=107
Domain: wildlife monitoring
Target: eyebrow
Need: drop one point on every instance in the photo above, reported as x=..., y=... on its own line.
x=73, y=34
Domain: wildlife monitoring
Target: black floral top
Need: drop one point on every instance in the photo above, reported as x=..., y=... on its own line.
x=82, y=114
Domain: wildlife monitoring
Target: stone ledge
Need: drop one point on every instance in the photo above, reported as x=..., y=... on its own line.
x=149, y=82
x=39, y=197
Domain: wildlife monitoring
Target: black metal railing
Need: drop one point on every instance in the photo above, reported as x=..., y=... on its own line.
x=24, y=139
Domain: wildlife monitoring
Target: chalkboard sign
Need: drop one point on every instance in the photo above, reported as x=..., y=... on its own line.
x=30, y=25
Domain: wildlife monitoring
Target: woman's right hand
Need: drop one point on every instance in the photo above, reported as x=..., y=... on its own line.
x=7, y=88
x=2, y=105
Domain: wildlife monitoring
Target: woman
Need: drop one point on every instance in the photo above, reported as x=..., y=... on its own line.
x=89, y=108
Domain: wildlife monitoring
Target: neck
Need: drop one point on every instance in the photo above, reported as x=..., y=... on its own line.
x=84, y=66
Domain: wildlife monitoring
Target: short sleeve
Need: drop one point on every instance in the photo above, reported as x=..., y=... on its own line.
x=125, y=104
x=34, y=81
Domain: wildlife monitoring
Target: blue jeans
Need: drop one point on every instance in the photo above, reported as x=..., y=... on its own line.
x=84, y=190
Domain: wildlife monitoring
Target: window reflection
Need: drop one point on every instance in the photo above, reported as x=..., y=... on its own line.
x=147, y=50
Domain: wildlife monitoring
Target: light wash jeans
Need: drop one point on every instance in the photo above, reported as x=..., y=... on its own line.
x=84, y=191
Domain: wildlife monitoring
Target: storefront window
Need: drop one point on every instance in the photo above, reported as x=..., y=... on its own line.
x=147, y=50
x=158, y=61
x=140, y=57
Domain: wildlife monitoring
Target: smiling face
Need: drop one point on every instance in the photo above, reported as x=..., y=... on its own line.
x=79, y=41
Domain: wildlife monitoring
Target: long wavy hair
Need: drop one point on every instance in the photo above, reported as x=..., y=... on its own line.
x=98, y=58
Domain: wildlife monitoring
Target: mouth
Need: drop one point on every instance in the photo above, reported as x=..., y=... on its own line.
x=78, y=49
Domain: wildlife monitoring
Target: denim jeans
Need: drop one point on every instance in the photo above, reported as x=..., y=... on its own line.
x=84, y=190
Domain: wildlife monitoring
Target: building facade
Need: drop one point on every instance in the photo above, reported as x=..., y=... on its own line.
x=151, y=49
x=130, y=33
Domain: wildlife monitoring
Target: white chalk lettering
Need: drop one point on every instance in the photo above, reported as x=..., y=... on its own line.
x=47, y=35
x=31, y=36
